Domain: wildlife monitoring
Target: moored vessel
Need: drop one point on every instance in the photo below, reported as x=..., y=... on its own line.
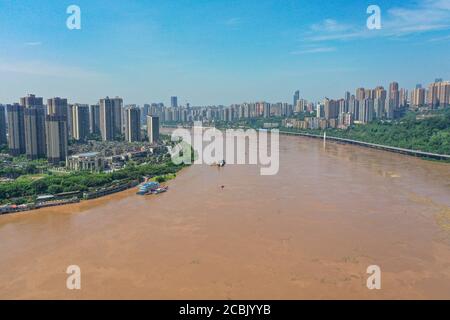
x=147, y=188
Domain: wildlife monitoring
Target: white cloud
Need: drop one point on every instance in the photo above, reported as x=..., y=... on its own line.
x=330, y=25
x=438, y=39
x=232, y=22
x=33, y=44
x=428, y=16
x=439, y=4
x=314, y=50
x=41, y=68
x=425, y=16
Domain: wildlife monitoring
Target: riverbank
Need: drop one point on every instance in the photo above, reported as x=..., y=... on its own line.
x=82, y=201
x=77, y=196
x=86, y=196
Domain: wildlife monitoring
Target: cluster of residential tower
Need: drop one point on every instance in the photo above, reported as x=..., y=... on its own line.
x=40, y=131
x=43, y=131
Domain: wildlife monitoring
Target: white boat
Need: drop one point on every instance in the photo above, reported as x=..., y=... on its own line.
x=148, y=187
x=160, y=190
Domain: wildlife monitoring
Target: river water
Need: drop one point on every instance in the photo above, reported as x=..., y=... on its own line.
x=310, y=231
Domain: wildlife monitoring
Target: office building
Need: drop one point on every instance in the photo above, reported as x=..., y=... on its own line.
x=153, y=129
x=132, y=124
x=369, y=93
x=3, y=139
x=403, y=97
x=146, y=111
x=57, y=107
x=16, y=129
x=266, y=111
x=69, y=121
x=56, y=134
x=439, y=94
x=380, y=93
x=347, y=97
x=174, y=102
x=366, y=110
x=94, y=119
x=34, y=124
x=296, y=98
x=394, y=96
x=360, y=94
x=111, y=118
x=320, y=111
x=379, y=106
x=331, y=109
x=31, y=101
x=80, y=122
x=418, y=96
x=342, y=106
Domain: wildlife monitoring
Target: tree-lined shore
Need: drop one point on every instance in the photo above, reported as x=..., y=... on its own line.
x=24, y=190
x=428, y=132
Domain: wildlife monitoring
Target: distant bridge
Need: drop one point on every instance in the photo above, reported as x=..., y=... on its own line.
x=415, y=153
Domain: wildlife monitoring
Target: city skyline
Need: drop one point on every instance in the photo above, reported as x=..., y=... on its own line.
x=218, y=53
x=40, y=130
x=418, y=92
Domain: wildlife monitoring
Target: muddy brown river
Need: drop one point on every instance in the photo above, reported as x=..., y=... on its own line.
x=310, y=231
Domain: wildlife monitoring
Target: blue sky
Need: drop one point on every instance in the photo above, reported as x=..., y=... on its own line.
x=218, y=51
